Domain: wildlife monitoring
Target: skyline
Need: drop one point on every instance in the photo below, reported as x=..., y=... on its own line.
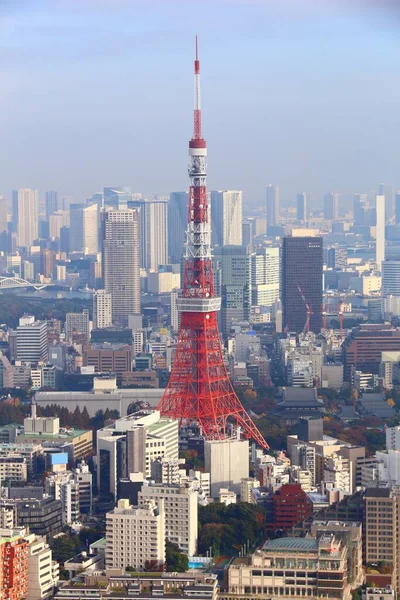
x=67, y=126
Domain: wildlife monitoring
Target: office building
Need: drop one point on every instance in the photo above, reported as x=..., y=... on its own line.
x=3, y=214
x=77, y=329
x=331, y=207
x=359, y=209
x=227, y=461
x=84, y=228
x=102, y=309
x=41, y=513
x=181, y=512
x=177, y=224
x=43, y=571
x=32, y=340
x=51, y=203
x=153, y=216
x=386, y=190
x=121, y=268
x=233, y=262
x=336, y=257
x=108, y=358
x=362, y=349
x=117, y=198
x=302, y=210
x=380, y=231
x=25, y=215
x=265, y=276
x=397, y=213
x=302, y=264
x=226, y=218
x=135, y=537
x=391, y=277
x=272, y=205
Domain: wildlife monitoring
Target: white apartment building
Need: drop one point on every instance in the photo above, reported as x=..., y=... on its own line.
x=337, y=472
x=226, y=497
x=102, y=309
x=32, y=340
x=393, y=438
x=226, y=215
x=197, y=480
x=135, y=535
x=13, y=468
x=181, y=512
x=165, y=470
x=43, y=572
x=265, y=277
x=246, y=485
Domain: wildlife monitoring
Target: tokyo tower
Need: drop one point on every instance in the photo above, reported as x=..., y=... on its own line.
x=199, y=388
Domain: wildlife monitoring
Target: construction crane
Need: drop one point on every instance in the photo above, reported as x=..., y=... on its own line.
x=308, y=310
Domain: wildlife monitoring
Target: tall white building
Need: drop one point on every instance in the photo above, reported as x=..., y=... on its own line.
x=102, y=309
x=135, y=536
x=265, y=276
x=174, y=310
x=84, y=228
x=32, y=343
x=77, y=326
x=227, y=461
x=226, y=216
x=380, y=231
x=43, y=572
x=25, y=215
x=181, y=512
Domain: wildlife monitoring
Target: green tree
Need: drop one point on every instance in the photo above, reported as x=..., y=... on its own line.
x=176, y=560
x=65, y=547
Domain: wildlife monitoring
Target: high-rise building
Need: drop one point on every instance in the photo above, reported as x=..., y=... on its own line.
x=14, y=567
x=265, y=276
x=397, y=212
x=84, y=228
x=177, y=222
x=117, y=198
x=77, y=327
x=391, y=277
x=336, y=257
x=302, y=263
x=226, y=218
x=380, y=231
x=302, y=211
x=43, y=572
x=3, y=214
x=51, y=203
x=331, y=207
x=135, y=537
x=359, y=209
x=57, y=220
x=32, y=340
x=247, y=232
x=235, y=265
x=273, y=205
x=120, y=263
x=385, y=189
x=25, y=215
x=181, y=510
x=46, y=262
x=362, y=350
x=102, y=309
x=153, y=233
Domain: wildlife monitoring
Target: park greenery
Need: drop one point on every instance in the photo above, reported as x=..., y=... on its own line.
x=176, y=560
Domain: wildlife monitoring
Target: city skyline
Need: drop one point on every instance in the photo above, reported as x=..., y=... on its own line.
x=147, y=55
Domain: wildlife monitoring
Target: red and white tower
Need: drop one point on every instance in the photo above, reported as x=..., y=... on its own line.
x=199, y=388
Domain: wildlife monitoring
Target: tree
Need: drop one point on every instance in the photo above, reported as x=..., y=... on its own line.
x=176, y=560
x=65, y=547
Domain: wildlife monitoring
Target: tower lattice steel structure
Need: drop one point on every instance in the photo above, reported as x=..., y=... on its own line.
x=199, y=388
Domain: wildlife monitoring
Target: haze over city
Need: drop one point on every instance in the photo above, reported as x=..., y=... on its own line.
x=303, y=94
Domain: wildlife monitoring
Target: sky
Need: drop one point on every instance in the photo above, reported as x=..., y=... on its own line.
x=300, y=93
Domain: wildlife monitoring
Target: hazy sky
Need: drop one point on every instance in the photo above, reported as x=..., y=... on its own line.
x=99, y=92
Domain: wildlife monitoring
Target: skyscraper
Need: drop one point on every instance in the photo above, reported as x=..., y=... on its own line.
x=359, y=208
x=25, y=215
x=273, y=205
x=226, y=218
x=331, y=207
x=121, y=269
x=153, y=233
x=117, y=197
x=385, y=189
x=3, y=214
x=84, y=228
x=51, y=203
x=380, y=231
x=102, y=309
x=302, y=212
x=397, y=215
x=302, y=262
x=235, y=265
x=265, y=276
x=177, y=223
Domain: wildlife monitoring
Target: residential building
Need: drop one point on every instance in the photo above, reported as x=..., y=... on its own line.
x=180, y=509
x=25, y=210
x=153, y=233
x=77, y=327
x=226, y=218
x=102, y=309
x=265, y=269
x=84, y=228
x=247, y=484
x=391, y=277
x=51, y=203
x=272, y=205
x=14, y=566
x=337, y=474
x=43, y=572
x=290, y=506
x=120, y=262
x=135, y=537
x=302, y=263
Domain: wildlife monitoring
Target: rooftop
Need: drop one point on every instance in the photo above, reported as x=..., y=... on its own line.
x=291, y=544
